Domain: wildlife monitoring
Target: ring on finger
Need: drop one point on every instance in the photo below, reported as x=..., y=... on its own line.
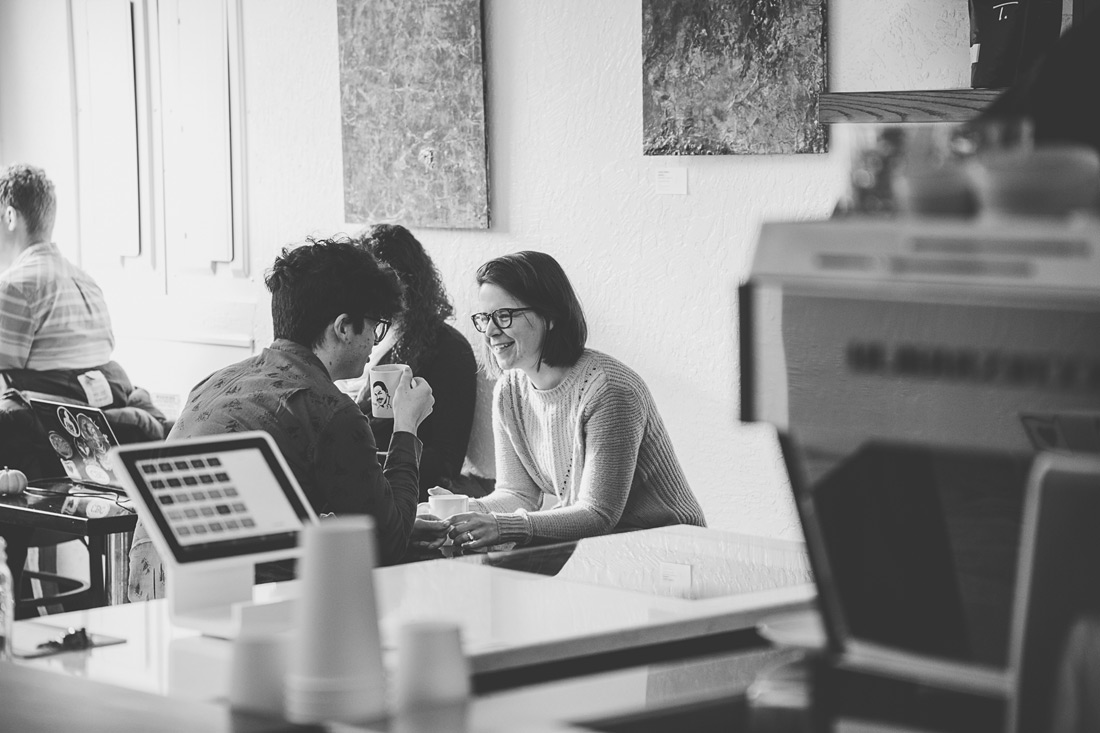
x=469, y=536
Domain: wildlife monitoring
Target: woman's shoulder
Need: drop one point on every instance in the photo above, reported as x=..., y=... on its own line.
x=610, y=371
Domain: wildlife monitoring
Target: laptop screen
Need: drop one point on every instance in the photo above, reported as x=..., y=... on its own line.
x=81, y=439
x=214, y=498
x=919, y=544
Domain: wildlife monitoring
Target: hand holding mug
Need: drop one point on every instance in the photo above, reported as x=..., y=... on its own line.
x=474, y=530
x=412, y=402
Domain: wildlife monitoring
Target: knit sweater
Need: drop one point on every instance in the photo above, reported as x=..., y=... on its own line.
x=595, y=442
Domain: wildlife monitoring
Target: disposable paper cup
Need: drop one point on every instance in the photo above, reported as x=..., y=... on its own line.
x=383, y=381
x=335, y=670
x=448, y=505
x=431, y=669
x=256, y=671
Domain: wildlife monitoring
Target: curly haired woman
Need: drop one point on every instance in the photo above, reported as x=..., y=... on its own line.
x=435, y=350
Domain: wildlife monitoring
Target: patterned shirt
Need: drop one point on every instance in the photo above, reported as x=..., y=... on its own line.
x=52, y=314
x=325, y=438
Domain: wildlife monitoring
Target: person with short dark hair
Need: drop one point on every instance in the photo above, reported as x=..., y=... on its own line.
x=435, y=350
x=331, y=303
x=569, y=422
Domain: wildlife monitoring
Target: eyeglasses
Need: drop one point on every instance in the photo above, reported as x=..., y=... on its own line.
x=501, y=316
x=381, y=328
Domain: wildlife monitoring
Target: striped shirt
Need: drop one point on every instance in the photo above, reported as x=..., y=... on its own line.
x=597, y=444
x=52, y=314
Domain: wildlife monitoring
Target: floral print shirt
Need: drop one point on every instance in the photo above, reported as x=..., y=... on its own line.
x=324, y=436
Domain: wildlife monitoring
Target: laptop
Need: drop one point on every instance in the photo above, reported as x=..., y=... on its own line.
x=1058, y=594
x=214, y=507
x=80, y=437
x=913, y=549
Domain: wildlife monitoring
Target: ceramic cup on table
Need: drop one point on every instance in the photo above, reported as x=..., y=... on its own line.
x=382, y=382
x=445, y=506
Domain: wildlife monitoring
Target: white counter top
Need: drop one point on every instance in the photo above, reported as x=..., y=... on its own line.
x=613, y=593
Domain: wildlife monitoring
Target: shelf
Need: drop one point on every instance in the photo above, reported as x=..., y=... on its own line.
x=944, y=105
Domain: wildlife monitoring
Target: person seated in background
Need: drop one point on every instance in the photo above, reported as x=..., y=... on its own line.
x=56, y=341
x=435, y=350
x=55, y=330
x=568, y=422
x=331, y=304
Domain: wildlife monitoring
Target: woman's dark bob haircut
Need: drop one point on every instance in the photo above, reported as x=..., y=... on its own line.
x=537, y=280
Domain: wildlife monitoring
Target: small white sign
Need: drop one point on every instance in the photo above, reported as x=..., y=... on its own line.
x=677, y=578
x=672, y=181
x=96, y=388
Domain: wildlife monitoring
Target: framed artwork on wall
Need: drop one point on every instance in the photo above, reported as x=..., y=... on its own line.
x=412, y=99
x=732, y=77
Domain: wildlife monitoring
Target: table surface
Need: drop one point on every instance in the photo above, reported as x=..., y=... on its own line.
x=68, y=507
x=610, y=593
x=31, y=701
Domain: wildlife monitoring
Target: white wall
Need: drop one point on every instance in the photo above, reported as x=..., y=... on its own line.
x=657, y=274
x=36, y=123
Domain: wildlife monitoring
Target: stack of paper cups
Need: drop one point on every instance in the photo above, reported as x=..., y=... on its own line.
x=431, y=669
x=335, y=670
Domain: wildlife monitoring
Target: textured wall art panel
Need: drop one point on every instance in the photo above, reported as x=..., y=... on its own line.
x=724, y=77
x=412, y=100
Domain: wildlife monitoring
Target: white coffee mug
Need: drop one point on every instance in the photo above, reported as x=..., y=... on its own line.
x=443, y=506
x=382, y=382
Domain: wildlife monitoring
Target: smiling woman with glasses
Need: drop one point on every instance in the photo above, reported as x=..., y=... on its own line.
x=569, y=422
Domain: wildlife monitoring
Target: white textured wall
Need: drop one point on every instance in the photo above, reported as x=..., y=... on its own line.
x=657, y=274
x=36, y=124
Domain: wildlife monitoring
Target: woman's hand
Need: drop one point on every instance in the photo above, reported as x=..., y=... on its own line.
x=474, y=530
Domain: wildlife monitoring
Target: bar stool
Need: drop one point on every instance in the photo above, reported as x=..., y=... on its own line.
x=68, y=593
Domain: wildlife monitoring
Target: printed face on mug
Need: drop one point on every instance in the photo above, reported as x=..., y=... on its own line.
x=380, y=395
x=384, y=380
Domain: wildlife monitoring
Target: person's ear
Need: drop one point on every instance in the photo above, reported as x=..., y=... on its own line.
x=343, y=327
